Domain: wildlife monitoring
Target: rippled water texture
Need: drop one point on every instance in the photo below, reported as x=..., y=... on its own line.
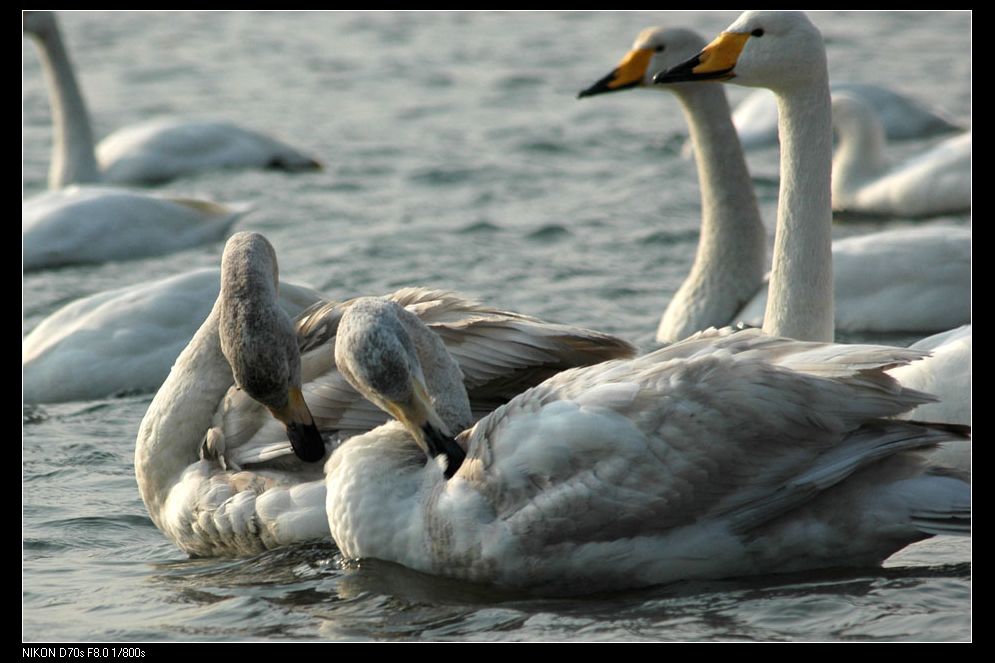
x=457, y=157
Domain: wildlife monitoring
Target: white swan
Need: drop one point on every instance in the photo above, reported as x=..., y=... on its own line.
x=730, y=453
x=903, y=118
x=153, y=151
x=124, y=340
x=784, y=51
x=216, y=471
x=875, y=275
x=935, y=182
x=91, y=224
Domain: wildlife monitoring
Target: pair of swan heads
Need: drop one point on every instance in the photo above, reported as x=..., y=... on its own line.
x=380, y=348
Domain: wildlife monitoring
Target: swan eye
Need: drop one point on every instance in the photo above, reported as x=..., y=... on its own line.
x=659, y=49
x=759, y=32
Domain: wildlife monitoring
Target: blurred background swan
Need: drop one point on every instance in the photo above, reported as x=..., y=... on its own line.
x=930, y=183
x=902, y=117
x=152, y=152
x=81, y=225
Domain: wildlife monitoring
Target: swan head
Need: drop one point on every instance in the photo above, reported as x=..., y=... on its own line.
x=39, y=23
x=772, y=49
x=375, y=353
x=259, y=341
x=655, y=50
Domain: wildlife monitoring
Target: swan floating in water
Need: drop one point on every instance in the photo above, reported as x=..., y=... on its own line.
x=151, y=152
x=125, y=340
x=903, y=280
x=903, y=118
x=89, y=225
x=727, y=454
x=214, y=466
x=784, y=51
x=932, y=183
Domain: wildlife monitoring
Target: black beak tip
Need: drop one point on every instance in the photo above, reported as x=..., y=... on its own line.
x=439, y=443
x=306, y=441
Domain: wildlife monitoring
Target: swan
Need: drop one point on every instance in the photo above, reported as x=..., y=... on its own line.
x=726, y=454
x=903, y=118
x=81, y=225
x=213, y=462
x=932, y=183
x=784, y=51
x=125, y=340
x=151, y=152
x=875, y=275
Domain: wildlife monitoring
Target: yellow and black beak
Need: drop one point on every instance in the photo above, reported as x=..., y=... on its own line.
x=301, y=430
x=715, y=62
x=629, y=73
x=432, y=435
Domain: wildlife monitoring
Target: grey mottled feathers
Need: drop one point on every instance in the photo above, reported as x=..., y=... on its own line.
x=718, y=420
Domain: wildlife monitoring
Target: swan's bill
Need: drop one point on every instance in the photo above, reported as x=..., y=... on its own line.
x=715, y=62
x=629, y=73
x=301, y=430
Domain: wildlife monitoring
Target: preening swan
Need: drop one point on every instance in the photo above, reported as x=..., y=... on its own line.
x=125, y=340
x=874, y=275
x=784, y=51
x=214, y=467
x=90, y=224
x=935, y=182
x=151, y=152
x=730, y=453
x=903, y=118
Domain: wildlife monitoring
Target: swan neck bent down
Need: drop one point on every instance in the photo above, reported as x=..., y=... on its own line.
x=73, y=158
x=729, y=264
x=800, y=303
x=172, y=430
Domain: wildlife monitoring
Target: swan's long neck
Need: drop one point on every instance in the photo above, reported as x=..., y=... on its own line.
x=173, y=428
x=73, y=159
x=800, y=301
x=729, y=265
x=860, y=153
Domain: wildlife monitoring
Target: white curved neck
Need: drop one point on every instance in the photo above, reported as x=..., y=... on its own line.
x=73, y=159
x=800, y=300
x=729, y=264
x=859, y=155
x=171, y=433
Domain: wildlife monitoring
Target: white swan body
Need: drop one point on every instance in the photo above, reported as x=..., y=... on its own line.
x=87, y=225
x=783, y=51
x=148, y=153
x=726, y=454
x=216, y=471
x=124, y=340
x=163, y=149
x=873, y=276
x=932, y=183
x=903, y=118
